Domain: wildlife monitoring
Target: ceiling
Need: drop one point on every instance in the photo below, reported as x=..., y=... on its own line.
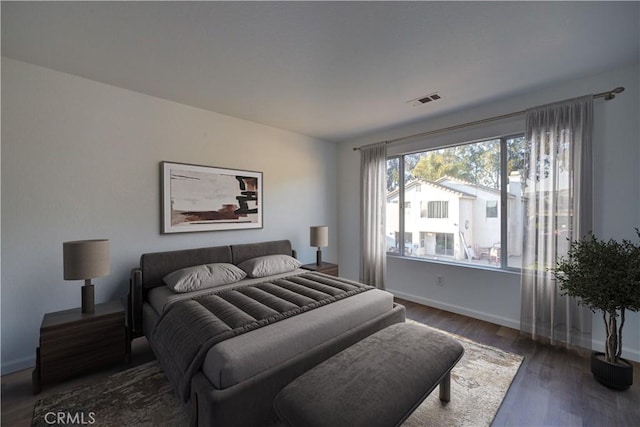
x=331, y=70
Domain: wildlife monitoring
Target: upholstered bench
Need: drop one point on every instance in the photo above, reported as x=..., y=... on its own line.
x=378, y=381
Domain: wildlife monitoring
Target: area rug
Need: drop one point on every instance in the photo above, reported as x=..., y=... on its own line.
x=141, y=396
x=479, y=383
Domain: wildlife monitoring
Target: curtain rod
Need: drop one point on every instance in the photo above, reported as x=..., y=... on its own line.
x=609, y=95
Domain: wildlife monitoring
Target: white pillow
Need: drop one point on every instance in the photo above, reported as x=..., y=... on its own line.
x=203, y=276
x=269, y=265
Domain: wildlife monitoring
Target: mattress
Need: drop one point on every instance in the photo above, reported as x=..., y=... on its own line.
x=239, y=358
x=249, y=354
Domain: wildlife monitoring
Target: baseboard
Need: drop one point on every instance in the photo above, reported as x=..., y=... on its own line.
x=18, y=365
x=630, y=354
x=487, y=317
x=627, y=353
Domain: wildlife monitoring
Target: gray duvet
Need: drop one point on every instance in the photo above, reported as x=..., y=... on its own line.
x=187, y=329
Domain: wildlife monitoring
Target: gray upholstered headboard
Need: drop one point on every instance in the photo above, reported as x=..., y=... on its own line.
x=244, y=252
x=157, y=265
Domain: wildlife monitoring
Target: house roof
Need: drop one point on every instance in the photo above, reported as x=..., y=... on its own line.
x=441, y=184
x=417, y=182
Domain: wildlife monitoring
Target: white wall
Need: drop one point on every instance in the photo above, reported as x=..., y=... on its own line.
x=491, y=295
x=81, y=160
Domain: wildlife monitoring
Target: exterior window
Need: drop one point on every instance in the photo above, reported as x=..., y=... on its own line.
x=492, y=209
x=444, y=244
x=438, y=210
x=407, y=208
x=392, y=232
x=457, y=189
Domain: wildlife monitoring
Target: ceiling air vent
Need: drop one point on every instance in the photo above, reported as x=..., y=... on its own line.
x=425, y=99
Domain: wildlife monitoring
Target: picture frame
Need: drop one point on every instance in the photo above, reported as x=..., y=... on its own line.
x=206, y=198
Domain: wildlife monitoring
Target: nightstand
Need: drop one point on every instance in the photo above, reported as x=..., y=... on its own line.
x=325, y=267
x=73, y=343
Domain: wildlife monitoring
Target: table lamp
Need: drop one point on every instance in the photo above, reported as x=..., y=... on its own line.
x=319, y=238
x=85, y=260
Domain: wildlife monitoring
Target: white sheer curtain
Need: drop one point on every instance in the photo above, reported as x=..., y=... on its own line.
x=373, y=170
x=557, y=190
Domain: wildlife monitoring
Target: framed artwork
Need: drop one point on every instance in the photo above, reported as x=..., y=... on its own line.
x=204, y=198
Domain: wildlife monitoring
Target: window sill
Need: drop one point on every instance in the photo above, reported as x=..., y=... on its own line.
x=509, y=270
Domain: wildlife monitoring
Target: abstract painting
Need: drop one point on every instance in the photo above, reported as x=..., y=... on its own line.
x=205, y=198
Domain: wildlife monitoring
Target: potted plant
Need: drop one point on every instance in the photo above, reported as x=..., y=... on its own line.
x=604, y=276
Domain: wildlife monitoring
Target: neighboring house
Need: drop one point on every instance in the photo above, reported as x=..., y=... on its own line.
x=452, y=218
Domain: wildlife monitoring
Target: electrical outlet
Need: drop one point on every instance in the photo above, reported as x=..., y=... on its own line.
x=440, y=280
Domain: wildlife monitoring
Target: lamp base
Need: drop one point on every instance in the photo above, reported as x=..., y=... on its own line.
x=88, y=302
x=319, y=257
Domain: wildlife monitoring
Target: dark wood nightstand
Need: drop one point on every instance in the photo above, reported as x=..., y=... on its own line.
x=325, y=267
x=73, y=343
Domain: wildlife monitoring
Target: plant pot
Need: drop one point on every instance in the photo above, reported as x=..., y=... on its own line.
x=618, y=376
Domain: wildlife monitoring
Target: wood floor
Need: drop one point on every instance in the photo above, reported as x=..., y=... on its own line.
x=553, y=387
x=18, y=398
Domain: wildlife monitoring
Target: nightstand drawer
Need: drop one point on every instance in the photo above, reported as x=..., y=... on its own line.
x=65, y=365
x=325, y=267
x=73, y=343
x=87, y=342
x=333, y=271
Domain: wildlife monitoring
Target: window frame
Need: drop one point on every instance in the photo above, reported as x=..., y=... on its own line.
x=438, y=208
x=448, y=243
x=487, y=207
x=502, y=205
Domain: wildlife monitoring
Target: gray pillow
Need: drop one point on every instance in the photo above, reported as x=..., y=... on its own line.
x=203, y=276
x=269, y=265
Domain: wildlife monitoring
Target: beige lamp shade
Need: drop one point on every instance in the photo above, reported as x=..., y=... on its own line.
x=319, y=236
x=86, y=259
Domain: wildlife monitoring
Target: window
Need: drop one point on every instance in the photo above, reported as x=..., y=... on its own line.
x=460, y=188
x=392, y=232
x=444, y=244
x=492, y=209
x=423, y=209
x=438, y=210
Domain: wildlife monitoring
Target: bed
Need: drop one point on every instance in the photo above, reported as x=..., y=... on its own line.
x=229, y=375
